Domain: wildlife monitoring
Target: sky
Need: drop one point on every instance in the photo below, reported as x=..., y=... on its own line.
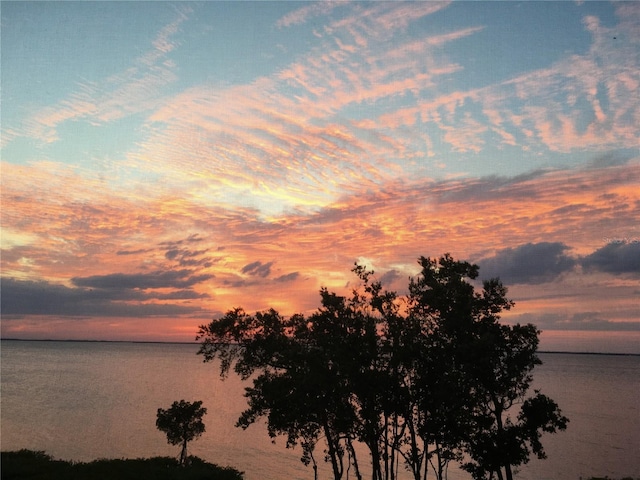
x=164, y=162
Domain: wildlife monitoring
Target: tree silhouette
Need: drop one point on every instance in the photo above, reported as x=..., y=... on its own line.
x=182, y=422
x=422, y=379
x=492, y=364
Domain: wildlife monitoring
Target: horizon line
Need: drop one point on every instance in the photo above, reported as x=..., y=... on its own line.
x=164, y=342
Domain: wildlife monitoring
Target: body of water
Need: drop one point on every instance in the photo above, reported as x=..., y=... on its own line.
x=83, y=400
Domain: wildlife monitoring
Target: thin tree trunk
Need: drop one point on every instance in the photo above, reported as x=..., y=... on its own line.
x=507, y=470
x=352, y=453
x=386, y=447
x=440, y=466
x=372, y=443
x=183, y=454
x=333, y=451
x=498, y=413
x=315, y=468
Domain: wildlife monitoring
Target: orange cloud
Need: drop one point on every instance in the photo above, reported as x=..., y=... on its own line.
x=74, y=230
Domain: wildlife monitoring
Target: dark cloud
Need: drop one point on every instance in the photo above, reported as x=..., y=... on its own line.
x=259, y=272
x=21, y=297
x=583, y=321
x=179, y=295
x=531, y=263
x=134, y=252
x=389, y=277
x=289, y=277
x=183, y=253
x=203, y=262
x=618, y=256
x=116, y=294
x=158, y=279
x=177, y=251
x=188, y=258
x=237, y=283
x=488, y=188
x=172, y=254
x=258, y=269
x=190, y=239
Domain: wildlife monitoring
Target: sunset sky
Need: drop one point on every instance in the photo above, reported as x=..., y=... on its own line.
x=165, y=162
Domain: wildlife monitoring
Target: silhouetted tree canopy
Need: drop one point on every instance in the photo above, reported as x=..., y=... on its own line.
x=421, y=380
x=182, y=422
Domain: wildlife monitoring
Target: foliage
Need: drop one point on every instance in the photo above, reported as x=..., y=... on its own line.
x=421, y=380
x=182, y=422
x=30, y=465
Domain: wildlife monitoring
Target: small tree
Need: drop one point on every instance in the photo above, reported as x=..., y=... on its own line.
x=182, y=423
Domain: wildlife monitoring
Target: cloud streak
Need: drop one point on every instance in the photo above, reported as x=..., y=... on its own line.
x=159, y=279
x=20, y=298
x=584, y=321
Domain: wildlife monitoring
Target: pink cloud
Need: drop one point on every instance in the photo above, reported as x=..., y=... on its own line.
x=287, y=122
x=400, y=15
x=307, y=12
x=466, y=136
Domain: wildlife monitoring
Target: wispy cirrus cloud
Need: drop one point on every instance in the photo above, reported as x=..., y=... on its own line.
x=383, y=18
x=281, y=143
x=552, y=109
x=308, y=12
x=134, y=90
x=282, y=137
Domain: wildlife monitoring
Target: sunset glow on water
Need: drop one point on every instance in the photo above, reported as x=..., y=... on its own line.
x=107, y=395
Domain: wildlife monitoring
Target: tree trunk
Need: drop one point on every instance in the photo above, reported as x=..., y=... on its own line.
x=498, y=413
x=354, y=460
x=440, y=464
x=333, y=451
x=507, y=471
x=315, y=465
x=183, y=454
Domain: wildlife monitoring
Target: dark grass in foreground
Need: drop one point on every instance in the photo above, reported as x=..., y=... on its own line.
x=27, y=464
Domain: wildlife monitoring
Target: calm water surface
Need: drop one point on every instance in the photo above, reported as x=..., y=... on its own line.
x=82, y=401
